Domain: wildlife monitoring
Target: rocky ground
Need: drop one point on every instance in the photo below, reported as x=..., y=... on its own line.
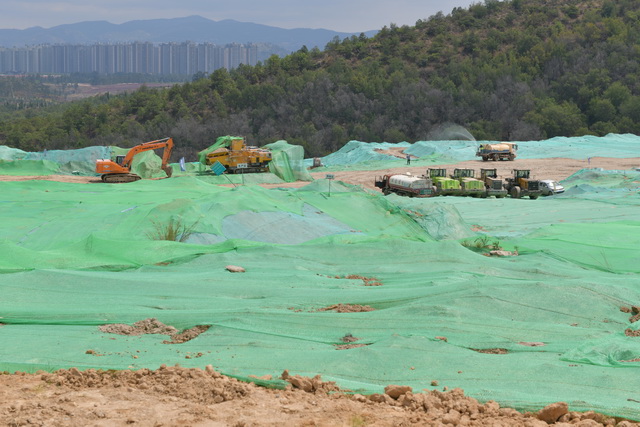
x=174, y=396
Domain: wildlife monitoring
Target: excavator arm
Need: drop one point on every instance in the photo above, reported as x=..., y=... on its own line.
x=120, y=170
x=166, y=143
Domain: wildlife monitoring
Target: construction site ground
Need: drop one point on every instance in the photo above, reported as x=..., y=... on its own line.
x=552, y=168
x=193, y=397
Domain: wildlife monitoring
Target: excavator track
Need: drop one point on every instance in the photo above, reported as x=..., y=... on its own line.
x=117, y=178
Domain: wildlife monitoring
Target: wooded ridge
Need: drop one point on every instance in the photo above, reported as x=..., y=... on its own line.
x=504, y=70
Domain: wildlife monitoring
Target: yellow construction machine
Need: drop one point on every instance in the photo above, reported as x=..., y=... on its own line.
x=232, y=153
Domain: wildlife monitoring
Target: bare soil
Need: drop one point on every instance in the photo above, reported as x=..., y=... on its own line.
x=556, y=168
x=175, y=396
x=87, y=90
x=171, y=396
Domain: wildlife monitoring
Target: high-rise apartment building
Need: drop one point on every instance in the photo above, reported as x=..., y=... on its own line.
x=141, y=57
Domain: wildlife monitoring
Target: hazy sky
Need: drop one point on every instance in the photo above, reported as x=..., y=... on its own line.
x=344, y=15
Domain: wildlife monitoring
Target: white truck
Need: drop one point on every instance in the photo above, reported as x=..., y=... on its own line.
x=405, y=185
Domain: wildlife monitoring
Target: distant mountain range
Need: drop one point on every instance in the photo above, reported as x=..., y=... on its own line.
x=192, y=28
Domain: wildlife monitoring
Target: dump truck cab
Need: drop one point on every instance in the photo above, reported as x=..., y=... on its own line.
x=444, y=186
x=492, y=184
x=521, y=185
x=469, y=185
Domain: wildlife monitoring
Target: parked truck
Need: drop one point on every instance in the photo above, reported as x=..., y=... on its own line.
x=443, y=185
x=469, y=185
x=498, y=151
x=405, y=185
x=521, y=185
x=492, y=183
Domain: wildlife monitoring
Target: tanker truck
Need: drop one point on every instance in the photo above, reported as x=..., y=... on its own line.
x=405, y=185
x=497, y=151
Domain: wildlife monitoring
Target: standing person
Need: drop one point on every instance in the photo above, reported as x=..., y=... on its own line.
x=408, y=159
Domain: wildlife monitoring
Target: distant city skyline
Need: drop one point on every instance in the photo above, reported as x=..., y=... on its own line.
x=183, y=59
x=344, y=16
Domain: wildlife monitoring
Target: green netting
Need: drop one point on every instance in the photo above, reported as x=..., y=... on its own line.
x=50, y=162
x=29, y=167
x=221, y=141
x=76, y=256
x=8, y=153
x=288, y=161
x=373, y=155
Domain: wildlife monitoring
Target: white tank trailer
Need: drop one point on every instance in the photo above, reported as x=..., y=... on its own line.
x=405, y=185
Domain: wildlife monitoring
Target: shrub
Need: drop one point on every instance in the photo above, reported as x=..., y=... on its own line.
x=174, y=230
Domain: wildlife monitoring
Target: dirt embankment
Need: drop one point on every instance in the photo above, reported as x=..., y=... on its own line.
x=171, y=396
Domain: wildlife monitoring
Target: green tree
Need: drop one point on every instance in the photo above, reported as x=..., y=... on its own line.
x=601, y=110
x=558, y=119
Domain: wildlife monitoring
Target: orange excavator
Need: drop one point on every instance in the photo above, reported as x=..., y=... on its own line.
x=120, y=170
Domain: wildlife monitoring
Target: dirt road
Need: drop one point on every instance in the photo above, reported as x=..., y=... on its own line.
x=554, y=168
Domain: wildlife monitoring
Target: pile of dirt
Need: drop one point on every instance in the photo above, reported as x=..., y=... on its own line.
x=347, y=308
x=142, y=327
x=180, y=396
x=154, y=326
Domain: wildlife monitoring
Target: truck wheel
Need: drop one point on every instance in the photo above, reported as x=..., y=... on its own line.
x=385, y=192
x=533, y=196
x=515, y=192
x=512, y=157
x=485, y=158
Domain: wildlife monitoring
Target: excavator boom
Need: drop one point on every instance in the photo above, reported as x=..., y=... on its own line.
x=119, y=171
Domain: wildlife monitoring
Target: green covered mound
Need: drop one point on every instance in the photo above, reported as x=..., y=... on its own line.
x=363, y=289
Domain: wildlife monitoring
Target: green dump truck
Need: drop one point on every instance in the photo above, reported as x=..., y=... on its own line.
x=469, y=185
x=444, y=186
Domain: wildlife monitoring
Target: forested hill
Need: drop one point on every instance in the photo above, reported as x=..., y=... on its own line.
x=505, y=70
